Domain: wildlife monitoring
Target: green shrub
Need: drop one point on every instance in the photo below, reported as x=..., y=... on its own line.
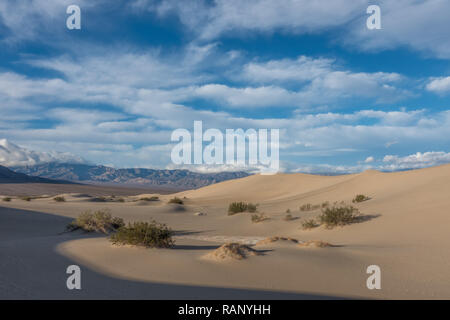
x=360, y=198
x=120, y=200
x=99, y=221
x=59, y=199
x=338, y=216
x=309, y=224
x=237, y=207
x=149, y=235
x=258, y=218
x=26, y=198
x=6, y=199
x=176, y=200
x=149, y=199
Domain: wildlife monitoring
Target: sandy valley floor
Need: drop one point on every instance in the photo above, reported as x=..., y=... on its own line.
x=407, y=234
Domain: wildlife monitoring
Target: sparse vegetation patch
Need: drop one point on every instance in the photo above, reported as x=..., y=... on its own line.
x=309, y=207
x=360, y=198
x=309, y=224
x=145, y=234
x=339, y=216
x=232, y=251
x=59, y=199
x=176, y=200
x=276, y=239
x=6, y=199
x=154, y=198
x=315, y=244
x=98, y=221
x=259, y=217
x=237, y=207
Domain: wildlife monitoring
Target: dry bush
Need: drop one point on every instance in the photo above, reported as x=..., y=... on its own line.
x=258, y=218
x=232, y=251
x=309, y=224
x=315, y=244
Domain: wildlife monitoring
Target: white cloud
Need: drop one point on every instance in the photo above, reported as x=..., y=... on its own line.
x=369, y=159
x=418, y=24
x=301, y=69
x=226, y=16
x=12, y=155
x=421, y=25
x=31, y=20
x=415, y=161
x=439, y=85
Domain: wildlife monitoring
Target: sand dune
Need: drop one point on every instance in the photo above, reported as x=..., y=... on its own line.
x=406, y=233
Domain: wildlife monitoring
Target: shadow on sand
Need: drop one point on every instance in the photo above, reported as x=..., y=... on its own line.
x=30, y=268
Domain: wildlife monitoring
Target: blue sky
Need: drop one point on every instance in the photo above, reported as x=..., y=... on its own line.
x=345, y=98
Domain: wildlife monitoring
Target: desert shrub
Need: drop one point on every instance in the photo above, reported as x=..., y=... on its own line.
x=325, y=204
x=147, y=234
x=237, y=207
x=6, y=199
x=360, y=198
x=149, y=199
x=26, y=198
x=309, y=224
x=288, y=217
x=120, y=200
x=98, y=221
x=176, y=200
x=338, y=216
x=59, y=199
x=309, y=207
x=251, y=207
x=288, y=211
x=258, y=217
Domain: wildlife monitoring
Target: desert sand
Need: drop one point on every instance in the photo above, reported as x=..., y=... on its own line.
x=406, y=234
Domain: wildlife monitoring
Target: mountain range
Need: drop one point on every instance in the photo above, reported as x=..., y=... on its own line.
x=97, y=174
x=38, y=166
x=9, y=176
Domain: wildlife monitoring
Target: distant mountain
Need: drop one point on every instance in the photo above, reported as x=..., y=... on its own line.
x=9, y=176
x=84, y=173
